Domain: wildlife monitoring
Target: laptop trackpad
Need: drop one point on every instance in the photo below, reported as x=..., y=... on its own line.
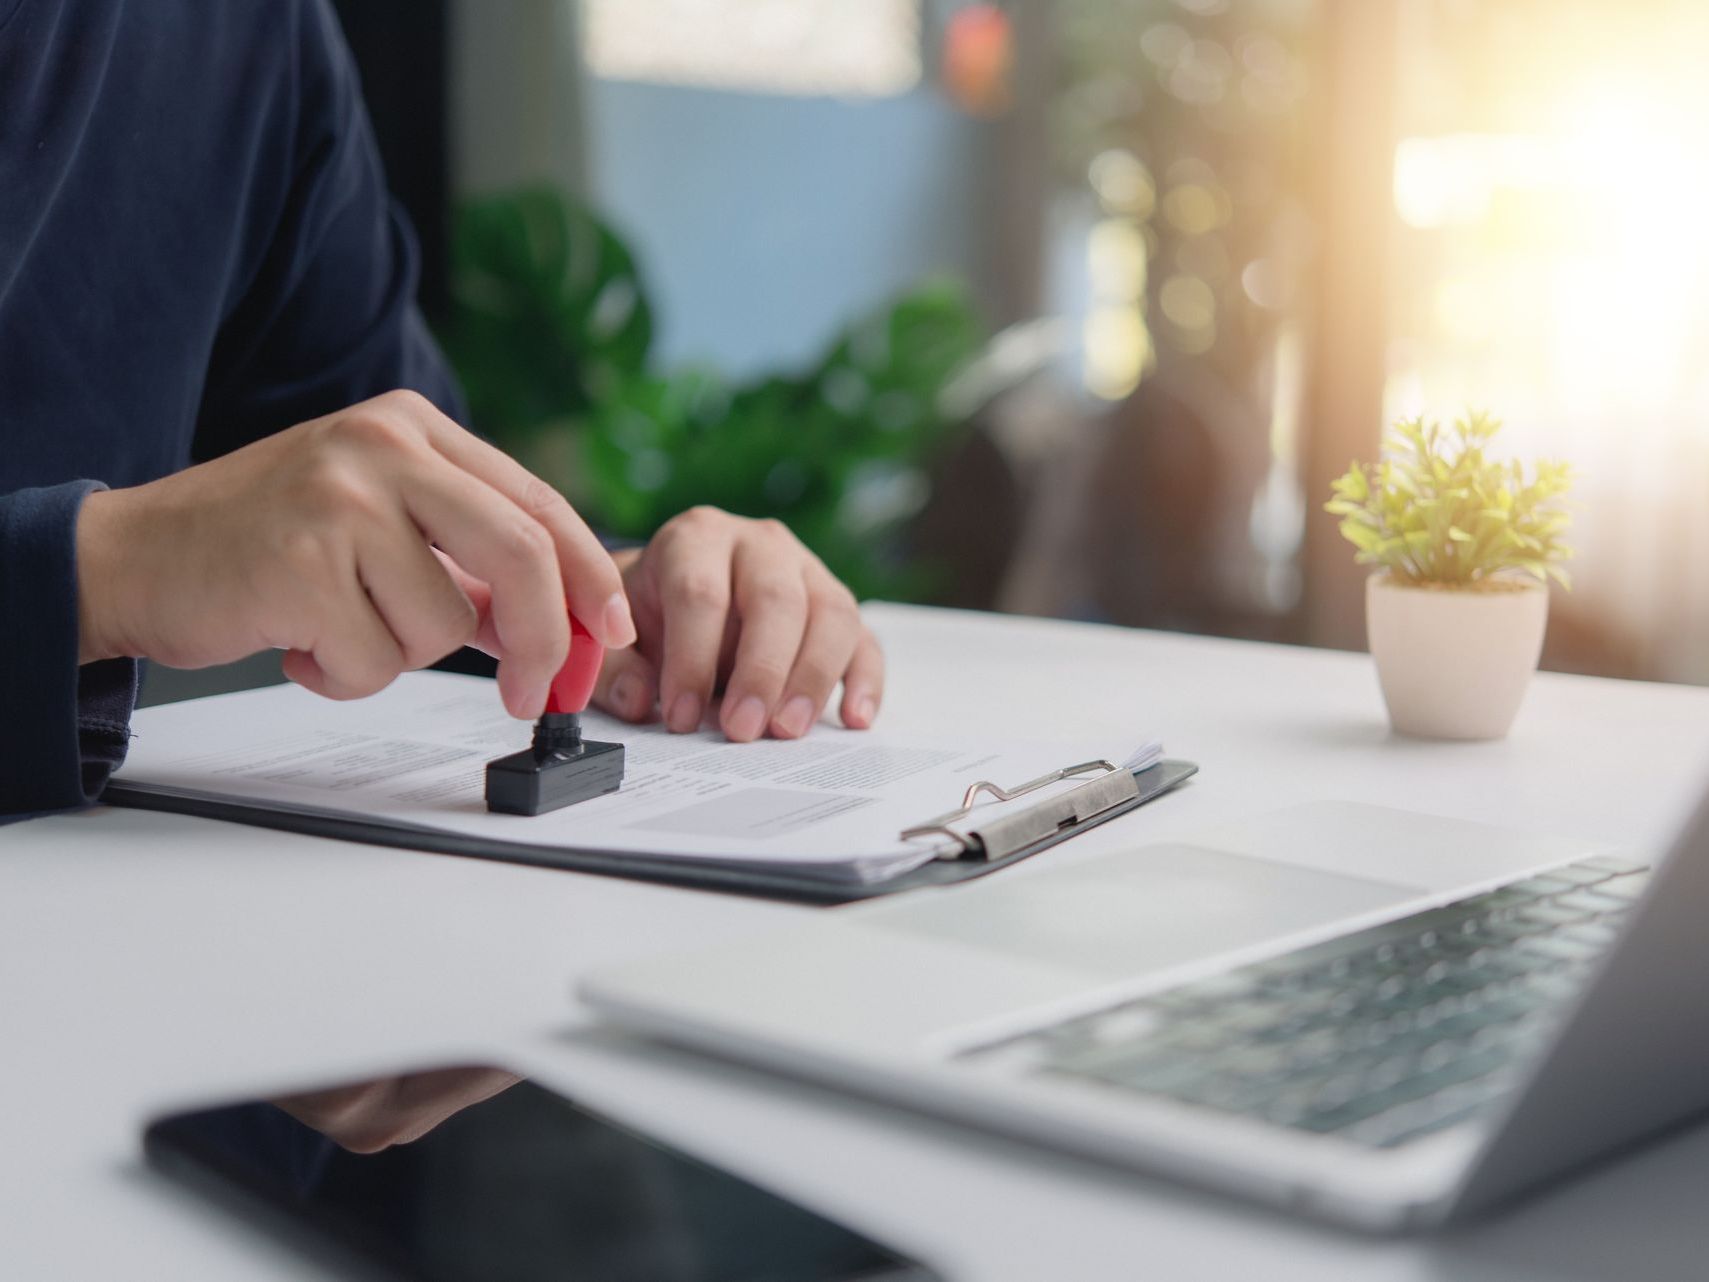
x=1140, y=910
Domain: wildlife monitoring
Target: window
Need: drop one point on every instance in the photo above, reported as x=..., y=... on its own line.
x=808, y=48
x=1550, y=197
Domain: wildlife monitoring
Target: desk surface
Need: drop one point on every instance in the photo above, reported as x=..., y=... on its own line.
x=147, y=960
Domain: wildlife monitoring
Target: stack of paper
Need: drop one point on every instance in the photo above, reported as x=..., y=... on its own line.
x=413, y=758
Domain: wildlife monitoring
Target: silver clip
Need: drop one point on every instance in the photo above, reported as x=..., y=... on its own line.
x=941, y=825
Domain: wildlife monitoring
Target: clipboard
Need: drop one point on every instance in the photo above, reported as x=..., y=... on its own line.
x=981, y=848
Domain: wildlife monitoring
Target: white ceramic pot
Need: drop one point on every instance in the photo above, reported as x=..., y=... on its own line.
x=1454, y=664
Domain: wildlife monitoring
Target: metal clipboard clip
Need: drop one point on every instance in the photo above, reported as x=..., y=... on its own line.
x=1115, y=787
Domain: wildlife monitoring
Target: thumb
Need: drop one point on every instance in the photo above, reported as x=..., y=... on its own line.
x=628, y=685
x=480, y=596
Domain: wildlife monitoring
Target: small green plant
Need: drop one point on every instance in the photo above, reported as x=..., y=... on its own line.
x=1438, y=510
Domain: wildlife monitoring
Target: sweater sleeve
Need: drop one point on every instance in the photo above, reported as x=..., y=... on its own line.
x=329, y=317
x=66, y=727
x=318, y=313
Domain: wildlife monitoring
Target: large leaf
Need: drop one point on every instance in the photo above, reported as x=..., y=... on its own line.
x=550, y=316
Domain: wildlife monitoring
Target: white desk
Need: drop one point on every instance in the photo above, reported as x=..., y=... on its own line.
x=147, y=960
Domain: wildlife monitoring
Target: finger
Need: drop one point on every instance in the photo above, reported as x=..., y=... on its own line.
x=628, y=685
x=415, y=595
x=771, y=603
x=645, y=601
x=693, y=577
x=376, y=1115
x=833, y=631
x=420, y=1102
x=480, y=595
x=591, y=582
x=354, y=657
x=863, y=684
x=494, y=540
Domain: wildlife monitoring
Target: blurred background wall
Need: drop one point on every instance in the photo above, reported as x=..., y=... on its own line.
x=811, y=215
x=1074, y=307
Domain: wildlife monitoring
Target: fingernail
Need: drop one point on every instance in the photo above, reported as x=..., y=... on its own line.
x=619, y=623
x=534, y=706
x=747, y=721
x=796, y=717
x=626, y=695
x=685, y=714
x=866, y=708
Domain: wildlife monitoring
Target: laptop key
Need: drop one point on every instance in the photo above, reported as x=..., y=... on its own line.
x=1560, y=946
x=1624, y=886
x=1428, y=1116
x=1613, y=864
x=1204, y=994
x=1595, y=935
x=1581, y=874
x=1330, y=1120
x=1544, y=884
x=1123, y=1024
x=1259, y=1062
x=1225, y=1093
x=1246, y=1016
x=1593, y=902
x=1548, y=914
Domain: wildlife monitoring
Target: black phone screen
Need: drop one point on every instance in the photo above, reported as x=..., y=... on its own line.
x=458, y=1174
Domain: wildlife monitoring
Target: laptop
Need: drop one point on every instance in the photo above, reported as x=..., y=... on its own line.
x=1383, y=1019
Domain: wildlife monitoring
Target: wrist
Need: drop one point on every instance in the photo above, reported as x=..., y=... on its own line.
x=99, y=543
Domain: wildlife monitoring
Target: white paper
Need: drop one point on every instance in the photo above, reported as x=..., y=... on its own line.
x=414, y=756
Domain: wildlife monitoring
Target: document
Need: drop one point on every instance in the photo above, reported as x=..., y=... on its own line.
x=413, y=757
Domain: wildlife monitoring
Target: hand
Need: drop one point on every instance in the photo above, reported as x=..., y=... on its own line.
x=371, y=1116
x=720, y=599
x=364, y=544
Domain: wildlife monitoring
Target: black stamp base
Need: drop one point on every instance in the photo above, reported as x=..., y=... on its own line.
x=560, y=769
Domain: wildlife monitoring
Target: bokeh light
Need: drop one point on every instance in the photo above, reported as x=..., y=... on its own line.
x=1550, y=262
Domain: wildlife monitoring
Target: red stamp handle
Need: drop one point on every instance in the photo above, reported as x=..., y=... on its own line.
x=573, y=686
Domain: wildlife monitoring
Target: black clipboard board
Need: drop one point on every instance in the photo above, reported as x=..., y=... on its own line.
x=1055, y=824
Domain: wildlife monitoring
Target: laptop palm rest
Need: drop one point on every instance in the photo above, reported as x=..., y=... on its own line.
x=1139, y=911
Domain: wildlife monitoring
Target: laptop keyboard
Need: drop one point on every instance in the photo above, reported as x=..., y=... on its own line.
x=1378, y=1037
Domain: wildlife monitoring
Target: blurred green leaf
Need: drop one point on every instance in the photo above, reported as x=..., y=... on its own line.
x=549, y=316
x=551, y=332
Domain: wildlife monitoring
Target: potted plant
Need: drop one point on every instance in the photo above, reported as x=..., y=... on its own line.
x=1465, y=546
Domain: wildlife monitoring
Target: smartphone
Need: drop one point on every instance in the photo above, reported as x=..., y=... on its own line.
x=457, y=1174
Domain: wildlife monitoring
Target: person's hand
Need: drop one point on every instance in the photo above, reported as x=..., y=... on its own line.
x=721, y=600
x=364, y=544
x=371, y=1116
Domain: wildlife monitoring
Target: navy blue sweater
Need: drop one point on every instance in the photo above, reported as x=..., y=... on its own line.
x=196, y=248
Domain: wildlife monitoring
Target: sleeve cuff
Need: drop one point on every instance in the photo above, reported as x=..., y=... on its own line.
x=65, y=727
